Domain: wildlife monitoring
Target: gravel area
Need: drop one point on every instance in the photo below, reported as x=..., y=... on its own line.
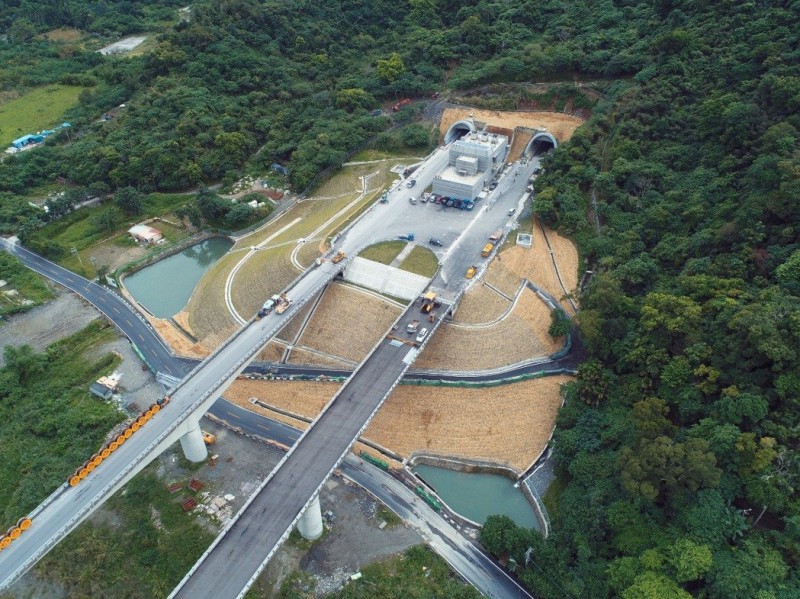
x=45, y=324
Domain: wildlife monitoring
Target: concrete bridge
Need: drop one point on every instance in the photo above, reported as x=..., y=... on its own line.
x=179, y=420
x=289, y=495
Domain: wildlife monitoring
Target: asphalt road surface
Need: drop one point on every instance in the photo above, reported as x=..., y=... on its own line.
x=244, y=547
x=462, y=555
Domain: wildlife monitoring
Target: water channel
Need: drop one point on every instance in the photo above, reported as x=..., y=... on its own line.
x=165, y=287
x=476, y=495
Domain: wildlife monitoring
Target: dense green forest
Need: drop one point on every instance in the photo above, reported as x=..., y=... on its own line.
x=677, y=448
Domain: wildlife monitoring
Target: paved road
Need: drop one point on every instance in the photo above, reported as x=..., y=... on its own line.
x=239, y=554
x=118, y=311
x=462, y=555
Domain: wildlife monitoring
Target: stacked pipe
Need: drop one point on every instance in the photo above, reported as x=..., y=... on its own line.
x=97, y=459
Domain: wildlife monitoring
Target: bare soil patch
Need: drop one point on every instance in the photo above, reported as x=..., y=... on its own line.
x=561, y=126
x=520, y=336
x=509, y=424
x=292, y=328
x=111, y=254
x=481, y=304
x=46, y=324
x=502, y=278
x=299, y=355
x=272, y=352
x=348, y=322
x=536, y=265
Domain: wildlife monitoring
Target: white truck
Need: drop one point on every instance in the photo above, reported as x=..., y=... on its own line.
x=412, y=326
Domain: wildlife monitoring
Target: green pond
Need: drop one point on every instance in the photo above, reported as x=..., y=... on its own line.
x=476, y=495
x=165, y=287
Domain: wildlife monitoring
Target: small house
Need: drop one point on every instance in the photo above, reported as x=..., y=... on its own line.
x=105, y=386
x=145, y=234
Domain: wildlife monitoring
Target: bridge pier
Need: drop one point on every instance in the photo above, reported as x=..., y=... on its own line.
x=194, y=448
x=310, y=523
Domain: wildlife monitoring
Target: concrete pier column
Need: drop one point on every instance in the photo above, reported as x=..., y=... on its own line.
x=310, y=523
x=192, y=444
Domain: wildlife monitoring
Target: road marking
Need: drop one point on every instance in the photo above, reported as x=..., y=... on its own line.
x=234, y=415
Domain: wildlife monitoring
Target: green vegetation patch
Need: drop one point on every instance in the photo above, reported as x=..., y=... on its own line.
x=49, y=422
x=27, y=283
x=140, y=546
x=383, y=252
x=417, y=573
x=421, y=261
x=39, y=109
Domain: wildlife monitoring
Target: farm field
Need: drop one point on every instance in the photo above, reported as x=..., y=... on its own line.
x=39, y=109
x=508, y=424
x=519, y=336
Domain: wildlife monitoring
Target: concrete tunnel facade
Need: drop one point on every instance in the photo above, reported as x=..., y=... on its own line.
x=458, y=130
x=540, y=143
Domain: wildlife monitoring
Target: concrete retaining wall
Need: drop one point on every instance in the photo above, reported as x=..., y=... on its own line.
x=385, y=279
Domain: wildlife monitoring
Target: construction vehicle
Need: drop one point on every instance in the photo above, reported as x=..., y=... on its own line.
x=428, y=301
x=283, y=303
x=471, y=271
x=340, y=255
x=261, y=314
x=412, y=326
x=487, y=249
x=270, y=304
x=407, y=237
x=208, y=438
x=400, y=104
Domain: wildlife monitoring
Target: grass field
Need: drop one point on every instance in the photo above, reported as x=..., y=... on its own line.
x=383, y=252
x=421, y=261
x=39, y=109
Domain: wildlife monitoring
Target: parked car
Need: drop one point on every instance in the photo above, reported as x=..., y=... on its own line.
x=412, y=200
x=422, y=334
x=512, y=211
x=411, y=183
x=436, y=242
x=471, y=271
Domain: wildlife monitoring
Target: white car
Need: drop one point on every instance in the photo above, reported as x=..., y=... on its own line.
x=422, y=334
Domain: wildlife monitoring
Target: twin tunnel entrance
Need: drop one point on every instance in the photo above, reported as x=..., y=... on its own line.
x=540, y=143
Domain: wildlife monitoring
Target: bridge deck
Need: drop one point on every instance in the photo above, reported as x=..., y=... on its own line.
x=240, y=552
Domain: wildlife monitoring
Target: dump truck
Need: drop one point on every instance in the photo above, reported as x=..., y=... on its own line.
x=495, y=237
x=412, y=326
x=428, y=301
x=340, y=255
x=471, y=271
x=283, y=303
x=487, y=249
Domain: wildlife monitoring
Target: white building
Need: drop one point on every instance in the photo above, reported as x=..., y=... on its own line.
x=473, y=161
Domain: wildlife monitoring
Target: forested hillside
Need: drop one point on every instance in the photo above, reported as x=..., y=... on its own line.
x=677, y=448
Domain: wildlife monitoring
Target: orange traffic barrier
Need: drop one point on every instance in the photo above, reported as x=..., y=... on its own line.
x=84, y=472
x=97, y=460
x=128, y=433
x=142, y=421
x=74, y=480
x=24, y=523
x=121, y=439
x=14, y=532
x=134, y=427
x=114, y=446
x=105, y=453
x=90, y=466
x=155, y=408
x=4, y=542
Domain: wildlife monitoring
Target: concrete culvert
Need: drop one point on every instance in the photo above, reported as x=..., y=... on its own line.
x=457, y=131
x=541, y=143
